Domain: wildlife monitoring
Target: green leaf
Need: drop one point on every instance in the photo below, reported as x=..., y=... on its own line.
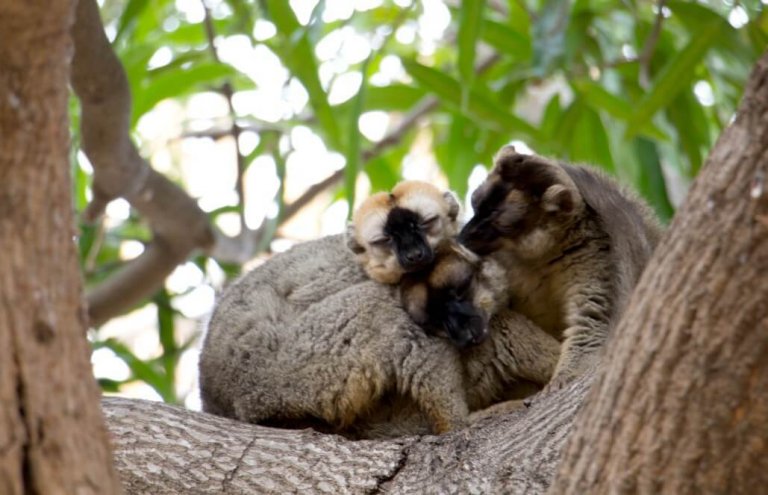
x=567, y=124
x=470, y=18
x=479, y=105
x=167, y=334
x=132, y=10
x=590, y=142
x=392, y=98
x=352, y=168
x=140, y=369
x=175, y=83
x=553, y=113
x=651, y=183
x=296, y=53
x=456, y=153
x=506, y=40
x=549, y=35
x=597, y=96
x=382, y=171
x=677, y=74
x=691, y=123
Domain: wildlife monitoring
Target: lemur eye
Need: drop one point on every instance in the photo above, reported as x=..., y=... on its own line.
x=381, y=241
x=429, y=222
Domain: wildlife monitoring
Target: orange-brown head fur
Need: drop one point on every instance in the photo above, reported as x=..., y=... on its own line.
x=398, y=232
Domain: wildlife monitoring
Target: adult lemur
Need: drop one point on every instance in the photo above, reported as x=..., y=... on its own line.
x=307, y=337
x=573, y=244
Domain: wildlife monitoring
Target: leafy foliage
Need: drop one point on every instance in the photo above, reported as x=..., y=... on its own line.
x=638, y=91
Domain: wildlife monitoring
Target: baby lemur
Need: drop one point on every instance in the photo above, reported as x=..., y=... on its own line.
x=307, y=338
x=398, y=232
x=406, y=237
x=573, y=243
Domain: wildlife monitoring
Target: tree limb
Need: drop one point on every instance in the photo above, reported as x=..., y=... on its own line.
x=167, y=449
x=179, y=225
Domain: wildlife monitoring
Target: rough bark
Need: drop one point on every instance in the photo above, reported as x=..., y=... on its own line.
x=52, y=434
x=679, y=406
x=682, y=407
x=162, y=449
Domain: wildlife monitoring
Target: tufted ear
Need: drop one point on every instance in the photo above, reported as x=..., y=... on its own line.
x=559, y=198
x=351, y=239
x=453, y=205
x=506, y=159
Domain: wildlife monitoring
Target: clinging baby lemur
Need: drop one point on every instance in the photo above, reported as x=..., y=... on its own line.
x=407, y=237
x=573, y=243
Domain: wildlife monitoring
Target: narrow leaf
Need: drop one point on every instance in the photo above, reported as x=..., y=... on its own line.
x=297, y=54
x=651, y=183
x=589, y=142
x=132, y=10
x=352, y=168
x=597, y=96
x=691, y=123
x=677, y=74
x=470, y=19
x=479, y=105
x=506, y=40
x=178, y=83
x=456, y=153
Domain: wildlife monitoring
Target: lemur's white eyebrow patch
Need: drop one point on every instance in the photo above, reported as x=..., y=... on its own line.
x=372, y=226
x=424, y=205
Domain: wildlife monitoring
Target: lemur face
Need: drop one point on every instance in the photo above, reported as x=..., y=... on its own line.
x=523, y=206
x=397, y=233
x=457, y=297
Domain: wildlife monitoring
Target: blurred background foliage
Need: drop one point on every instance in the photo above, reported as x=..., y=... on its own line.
x=250, y=104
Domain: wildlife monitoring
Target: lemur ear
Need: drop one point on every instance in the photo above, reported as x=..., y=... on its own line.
x=559, y=198
x=506, y=159
x=453, y=205
x=351, y=239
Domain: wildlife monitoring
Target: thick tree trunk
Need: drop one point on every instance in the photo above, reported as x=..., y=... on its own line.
x=683, y=405
x=52, y=434
x=679, y=407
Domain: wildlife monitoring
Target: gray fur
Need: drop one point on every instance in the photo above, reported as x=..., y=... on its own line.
x=308, y=337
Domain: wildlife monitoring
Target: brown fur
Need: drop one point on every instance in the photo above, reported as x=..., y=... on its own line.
x=573, y=244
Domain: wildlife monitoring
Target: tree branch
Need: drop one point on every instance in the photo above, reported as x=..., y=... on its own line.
x=179, y=225
x=161, y=448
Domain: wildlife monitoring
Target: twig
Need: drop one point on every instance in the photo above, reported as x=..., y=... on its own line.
x=235, y=130
x=650, y=46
